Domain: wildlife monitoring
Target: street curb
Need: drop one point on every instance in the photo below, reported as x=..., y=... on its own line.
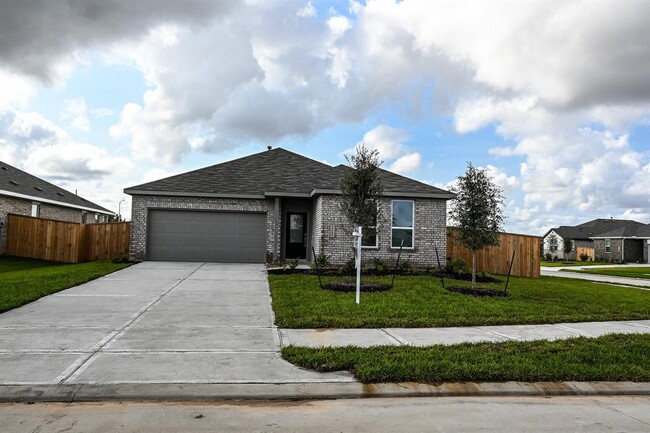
x=308, y=391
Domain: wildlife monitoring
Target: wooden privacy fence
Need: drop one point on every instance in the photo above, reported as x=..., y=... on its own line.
x=496, y=260
x=591, y=252
x=62, y=241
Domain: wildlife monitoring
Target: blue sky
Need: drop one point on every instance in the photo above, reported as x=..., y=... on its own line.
x=552, y=97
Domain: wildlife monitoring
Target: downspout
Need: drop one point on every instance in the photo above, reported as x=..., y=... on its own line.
x=622, y=250
x=276, y=228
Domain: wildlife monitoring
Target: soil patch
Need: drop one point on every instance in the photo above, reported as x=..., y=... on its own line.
x=351, y=286
x=478, y=292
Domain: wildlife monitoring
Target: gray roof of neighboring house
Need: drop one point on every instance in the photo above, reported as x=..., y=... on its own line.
x=274, y=172
x=19, y=184
x=610, y=228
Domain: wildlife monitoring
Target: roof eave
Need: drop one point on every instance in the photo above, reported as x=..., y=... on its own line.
x=132, y=192
x=54, y=202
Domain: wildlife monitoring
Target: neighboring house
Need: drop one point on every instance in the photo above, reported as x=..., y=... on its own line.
x=275, y=205
x=609, y=239
x=24, y=194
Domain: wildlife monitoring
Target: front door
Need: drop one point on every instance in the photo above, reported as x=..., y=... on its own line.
x=296, y=243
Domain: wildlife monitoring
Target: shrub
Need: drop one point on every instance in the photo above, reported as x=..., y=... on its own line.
x=405, y=266
x=457, y=267
x=584, y=257
x=349, y=267
x=548, y=257
x=378, y=265
x=293, y=263
x=322, y=261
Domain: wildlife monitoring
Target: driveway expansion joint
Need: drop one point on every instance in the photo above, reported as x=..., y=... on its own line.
x=79, y=366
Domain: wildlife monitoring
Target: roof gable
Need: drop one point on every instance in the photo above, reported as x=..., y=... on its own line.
x=17, y=183
x=272, y=172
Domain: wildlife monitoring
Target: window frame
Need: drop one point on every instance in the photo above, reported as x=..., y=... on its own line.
x=412, y=228
x=36, y=209
x=608, y=246
x=376, y=245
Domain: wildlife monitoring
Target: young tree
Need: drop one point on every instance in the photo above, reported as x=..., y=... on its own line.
x=552, y=245
x=567, y=246
x=361, y=188
x=361, y=191
x=477, y=212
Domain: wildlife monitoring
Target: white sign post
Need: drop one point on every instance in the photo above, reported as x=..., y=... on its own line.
x=358, y=235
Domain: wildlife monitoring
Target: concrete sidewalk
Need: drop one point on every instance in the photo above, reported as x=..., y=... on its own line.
x=430, y=336
x=565, y=272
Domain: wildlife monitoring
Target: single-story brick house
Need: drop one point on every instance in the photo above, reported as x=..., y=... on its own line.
x=609, y=239
x=24, y=194
x=275, y=205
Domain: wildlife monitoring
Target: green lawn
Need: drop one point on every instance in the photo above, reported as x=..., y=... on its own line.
x=614, y=357
x=634, y=272
x=561, y=263
x=25, y=280
x=421, y=301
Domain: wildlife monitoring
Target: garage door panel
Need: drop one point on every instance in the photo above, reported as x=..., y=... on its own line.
x=206, y=236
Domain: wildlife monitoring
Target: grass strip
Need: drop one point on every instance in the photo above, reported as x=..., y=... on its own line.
x=31, y=280
x=615, y=357
x=420, y=301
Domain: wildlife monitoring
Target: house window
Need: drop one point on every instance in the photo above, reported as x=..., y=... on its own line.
x=402, y=223
x=36, y=209
x=608, y=245
x=369, y=238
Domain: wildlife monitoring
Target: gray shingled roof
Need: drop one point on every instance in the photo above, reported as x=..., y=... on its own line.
x=15, y=181
x=601, y=227
x=277, y=171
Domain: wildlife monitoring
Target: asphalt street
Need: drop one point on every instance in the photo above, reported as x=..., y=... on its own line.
x=377, y=415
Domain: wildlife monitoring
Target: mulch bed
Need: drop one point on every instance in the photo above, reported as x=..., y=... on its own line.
x=351, y=286
x=478, y=292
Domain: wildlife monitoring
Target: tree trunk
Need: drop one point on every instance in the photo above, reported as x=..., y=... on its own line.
x=473, y=269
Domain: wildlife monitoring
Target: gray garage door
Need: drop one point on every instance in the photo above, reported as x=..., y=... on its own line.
x=206, y=236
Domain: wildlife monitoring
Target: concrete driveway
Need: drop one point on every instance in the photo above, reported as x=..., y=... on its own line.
x=155, y=322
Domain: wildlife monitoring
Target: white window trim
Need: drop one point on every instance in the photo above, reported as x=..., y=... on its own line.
x=608, y=241
x=412, y=247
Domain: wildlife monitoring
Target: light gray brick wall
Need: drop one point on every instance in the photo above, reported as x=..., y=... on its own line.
x=614, y=254
x=60, y=213
x=317, y=225
x=335, y=237
x=141, y=204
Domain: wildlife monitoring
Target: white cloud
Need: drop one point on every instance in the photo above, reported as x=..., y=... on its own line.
x=406, y=164
x=385, y=140
x=41, y=147
x=76, y=114
x=307, y=11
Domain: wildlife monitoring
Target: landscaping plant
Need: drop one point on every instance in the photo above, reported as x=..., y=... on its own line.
x=360, y=194
x=477, y=211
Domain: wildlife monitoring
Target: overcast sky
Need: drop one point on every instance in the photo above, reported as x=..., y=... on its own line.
x=553, y=97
